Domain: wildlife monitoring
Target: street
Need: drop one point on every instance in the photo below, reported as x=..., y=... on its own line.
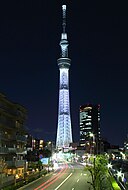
x=69, y=176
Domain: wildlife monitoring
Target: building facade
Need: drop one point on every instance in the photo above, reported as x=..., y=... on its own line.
x=12, y=136
x=90, y=128
x=64, y=131
x=126, y=147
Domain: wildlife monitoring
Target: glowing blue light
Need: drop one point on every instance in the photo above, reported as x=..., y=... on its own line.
x=64, y=134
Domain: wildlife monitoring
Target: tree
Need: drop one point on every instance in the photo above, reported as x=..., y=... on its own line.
x=98, y=172
x=39, y=165
x=3, y=167
x=46, y=153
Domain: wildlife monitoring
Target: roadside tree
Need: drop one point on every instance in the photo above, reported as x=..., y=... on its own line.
x=99, y=173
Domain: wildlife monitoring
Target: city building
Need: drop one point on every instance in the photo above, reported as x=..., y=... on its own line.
x=64, y=131
x=90, y=128
x=126, y=147
x=37, y=144
x=34, y=147
x=12, y=136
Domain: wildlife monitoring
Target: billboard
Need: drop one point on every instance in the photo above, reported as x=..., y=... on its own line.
x=44, y=161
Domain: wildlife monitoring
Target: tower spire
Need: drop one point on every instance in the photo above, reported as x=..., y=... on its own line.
x=64, y=17
x=64, y=42
x=64, y=35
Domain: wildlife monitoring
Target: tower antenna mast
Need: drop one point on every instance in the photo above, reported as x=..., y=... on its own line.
x=64, y=17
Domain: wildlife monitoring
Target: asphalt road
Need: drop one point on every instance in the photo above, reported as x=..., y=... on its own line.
x=69, y=176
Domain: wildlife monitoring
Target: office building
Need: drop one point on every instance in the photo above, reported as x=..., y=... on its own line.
x=90, y=128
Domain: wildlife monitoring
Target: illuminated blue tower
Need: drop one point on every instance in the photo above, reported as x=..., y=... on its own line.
x=64, y=131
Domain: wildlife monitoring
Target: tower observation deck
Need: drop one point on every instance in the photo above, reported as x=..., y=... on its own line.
x=64, y=131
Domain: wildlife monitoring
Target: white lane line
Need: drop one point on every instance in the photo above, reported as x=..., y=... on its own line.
x=73, y=188
x=81, y=174
x=77, y=180
x=63, y=181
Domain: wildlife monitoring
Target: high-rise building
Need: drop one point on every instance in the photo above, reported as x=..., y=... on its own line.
x=126, y=147
x=12, y=136
x=90, y=128
x=64, y=131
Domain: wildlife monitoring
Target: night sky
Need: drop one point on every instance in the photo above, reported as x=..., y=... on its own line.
x=29, y=48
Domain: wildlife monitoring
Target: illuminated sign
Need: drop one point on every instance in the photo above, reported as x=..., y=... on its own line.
x=44, y=161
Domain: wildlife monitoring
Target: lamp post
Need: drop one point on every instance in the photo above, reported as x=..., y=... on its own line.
x=120, y=175
x=93, y=142
x=109, y=165
x=15, y=174
x=123, y=155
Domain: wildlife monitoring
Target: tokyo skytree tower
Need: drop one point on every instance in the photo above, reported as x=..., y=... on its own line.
x=64, y=131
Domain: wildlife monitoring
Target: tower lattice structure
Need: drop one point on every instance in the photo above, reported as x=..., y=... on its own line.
x=64, y=131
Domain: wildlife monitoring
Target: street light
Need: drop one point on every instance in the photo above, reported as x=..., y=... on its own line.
x=109, y=165
x=120, y=175
x=91, y=134
x=93, y=137
x=123, y=155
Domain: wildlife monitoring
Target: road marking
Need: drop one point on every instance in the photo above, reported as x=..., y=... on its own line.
x=63, y=181
x=85, y=174
x=77, y=180
x=81, y=174
x=73, y=188
x=52, y=179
